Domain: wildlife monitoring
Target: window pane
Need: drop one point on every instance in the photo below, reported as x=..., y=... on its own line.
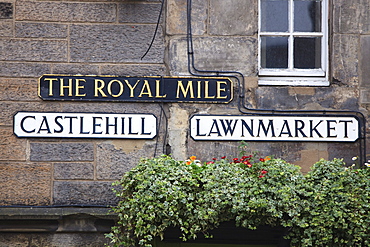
x=274, y=52
x=307, y=53
x=307, y=15
x=274, y=15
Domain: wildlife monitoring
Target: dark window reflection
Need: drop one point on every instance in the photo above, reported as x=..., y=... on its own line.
x=307, y=15
x=274, y=16
x=307, y=53
x=274, y=52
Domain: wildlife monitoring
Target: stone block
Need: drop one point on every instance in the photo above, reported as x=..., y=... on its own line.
x=65, y=11
x=365, y=96
x=13, y=240
x=6, y=28
x=345, y=60
x=138, y=13
x=69, y=171
x=25, y=184
x=115, y=43
x=75, y=69
x=351, y=17
x=109, y=107
x=365, y=61
x=33, y=50
x=114, y=158
x=6, y=10
x=61, y=151
x=83, y=193
x=40, y=30
x=9, y=69
x=235, y=17
x=133, y=70
x=176, y=20
x=18, y=89
x=10, y=108
x=215, y=53
x=11, y=147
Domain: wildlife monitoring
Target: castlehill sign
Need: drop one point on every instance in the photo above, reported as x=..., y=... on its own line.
x=275, y=128
x=136, y=89
x=85, y=125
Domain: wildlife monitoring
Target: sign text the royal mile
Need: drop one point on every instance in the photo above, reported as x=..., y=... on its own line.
x=275, y=128
x=136, y=89
x=85, y=125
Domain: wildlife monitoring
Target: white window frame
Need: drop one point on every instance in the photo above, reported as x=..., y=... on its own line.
x=291, y=76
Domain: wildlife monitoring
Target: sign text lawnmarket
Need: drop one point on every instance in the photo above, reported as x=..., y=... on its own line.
x=136, y=89
x=274, y=128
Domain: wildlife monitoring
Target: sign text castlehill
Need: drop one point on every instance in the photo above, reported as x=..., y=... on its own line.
x=136, y=89
x=275, y=128
x=85, y=125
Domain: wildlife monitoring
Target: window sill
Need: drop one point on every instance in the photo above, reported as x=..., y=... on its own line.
x=293, y=81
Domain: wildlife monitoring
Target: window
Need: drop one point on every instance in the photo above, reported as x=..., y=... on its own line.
x=293, y=42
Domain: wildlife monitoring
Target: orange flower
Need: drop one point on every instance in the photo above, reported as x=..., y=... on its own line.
x=192, y=158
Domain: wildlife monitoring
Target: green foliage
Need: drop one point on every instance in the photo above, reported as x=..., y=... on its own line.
x=327, y=207
x=336, y=208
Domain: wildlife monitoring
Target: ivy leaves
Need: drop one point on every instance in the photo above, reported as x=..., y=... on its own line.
x=329, y=206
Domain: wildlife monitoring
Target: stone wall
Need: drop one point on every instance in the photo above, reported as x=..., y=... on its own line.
x=97, y=37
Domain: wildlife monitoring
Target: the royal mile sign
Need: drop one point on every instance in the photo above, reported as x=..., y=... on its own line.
x=85, y=125
x=275, y=128
x=136, y=89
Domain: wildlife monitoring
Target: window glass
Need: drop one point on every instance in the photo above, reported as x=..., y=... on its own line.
x=274, y=15
x=274, y=52
x=307, y=53
x=307, y=16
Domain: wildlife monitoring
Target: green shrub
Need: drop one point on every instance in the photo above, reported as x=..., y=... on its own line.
x=327, y=207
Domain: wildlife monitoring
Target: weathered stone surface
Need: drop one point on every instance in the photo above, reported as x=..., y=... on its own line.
x=53, y=239
x=9, y=69
x=280, y=98
x=176, y=17
x=75, y=69
x=25, y=184
x=18, y=89
x=40, y=30
x=10, y=108
x=11, y=147
x=61, y=151
x=13, y=240
x=33, y=50
x=345, y=59
x=365, y=61
x=235, y=17
x=71, y=171
x=215, y=53
x=133, y=70
x=138, y=13
x=109, y=107
x=64, y=11
x=6, y=28
x=6, y=10
x=351, y=17
x=114, y=158
x=115, y=43
x=86, y=193
x=344, y=151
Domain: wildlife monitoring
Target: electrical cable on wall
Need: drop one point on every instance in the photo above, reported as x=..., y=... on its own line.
x=265, y=112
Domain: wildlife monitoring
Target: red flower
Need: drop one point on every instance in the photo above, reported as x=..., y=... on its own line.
x=263, y=172
x=214, y=158
x=210, y=162
x=260, y=176
x=262, y=159
x=223, y=157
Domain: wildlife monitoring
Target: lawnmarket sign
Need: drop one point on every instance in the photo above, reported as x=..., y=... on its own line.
x=274, y=128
